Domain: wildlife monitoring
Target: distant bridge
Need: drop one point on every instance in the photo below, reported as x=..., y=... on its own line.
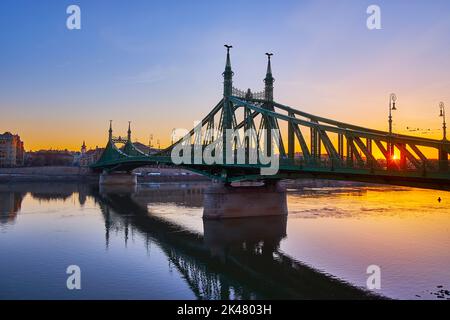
x=307, y=145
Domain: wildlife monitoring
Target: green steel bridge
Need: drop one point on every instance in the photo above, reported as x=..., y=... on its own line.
x=306, y=145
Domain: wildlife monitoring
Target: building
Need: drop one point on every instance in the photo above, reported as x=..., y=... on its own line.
x=88, y=157
x=11, y=150
x=83, y=148
x=44, y=158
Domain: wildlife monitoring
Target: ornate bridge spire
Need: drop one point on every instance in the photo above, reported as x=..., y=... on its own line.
x=269, y=80
x=228, y=74
x=129, y=131
x=110, y=130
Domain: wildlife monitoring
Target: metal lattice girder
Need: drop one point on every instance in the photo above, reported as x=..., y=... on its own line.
x=351, y=126
x=291, y=138
x=111, y=153
x=250, y=125
x=369, y=145
x=268, y=123
x=275, y=125
x=370, y=158
x=341, y=127
x=355, y=152
x=315, y=143
x=209, y=138
x=416, y=163
x=332, y=153
x=302, y=142
x=213, y=112
x=422, y=157
x=341, y=145
x=253, y=115
x=382, y=149
x=130, y=150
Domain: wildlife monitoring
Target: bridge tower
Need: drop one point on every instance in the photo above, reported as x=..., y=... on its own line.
x=110, y=131
x=227, y=110
x=129, y=147
x=129, y=131
x=268, y=82
x=116, y=178
x=270, y=123
x=228, y=75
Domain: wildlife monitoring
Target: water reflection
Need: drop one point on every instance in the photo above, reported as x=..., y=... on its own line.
x=337, y=228
x=10, y=203
x=12, y=195
x=261, y=235
x=232, y=259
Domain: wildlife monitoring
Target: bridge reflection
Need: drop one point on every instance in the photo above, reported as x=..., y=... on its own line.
x=238, y=258
x=230, y=259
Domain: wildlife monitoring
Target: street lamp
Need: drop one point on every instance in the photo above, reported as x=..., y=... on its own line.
x=442, y=114
x=150, y=144
x=392, y=100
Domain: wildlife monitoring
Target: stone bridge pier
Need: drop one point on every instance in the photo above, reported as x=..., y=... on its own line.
x=222, y=201
x=117, y=179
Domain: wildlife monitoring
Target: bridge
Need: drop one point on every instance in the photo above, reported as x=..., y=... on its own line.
x=264, y=132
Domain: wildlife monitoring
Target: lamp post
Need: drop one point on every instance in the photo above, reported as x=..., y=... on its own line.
x=150, y=144
x=442, y=114
x=392, y=100
x=172, y=137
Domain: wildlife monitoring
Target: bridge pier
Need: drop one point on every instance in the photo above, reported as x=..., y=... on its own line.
x=117, y=179
x=443, y=160
x=223, y=201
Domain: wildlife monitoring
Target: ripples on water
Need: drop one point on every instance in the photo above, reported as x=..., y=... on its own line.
x=153, y=243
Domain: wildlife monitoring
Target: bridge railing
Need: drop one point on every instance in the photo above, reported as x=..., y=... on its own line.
x=261, y=95
x=325, y=162
x=328, y=164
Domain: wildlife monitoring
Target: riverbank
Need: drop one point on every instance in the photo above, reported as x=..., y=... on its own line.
x=86, y=175
x=47, y=174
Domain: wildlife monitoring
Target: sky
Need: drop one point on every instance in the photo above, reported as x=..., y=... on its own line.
x=159, y=64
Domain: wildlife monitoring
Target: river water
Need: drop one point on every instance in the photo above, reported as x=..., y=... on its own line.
x=151, y=243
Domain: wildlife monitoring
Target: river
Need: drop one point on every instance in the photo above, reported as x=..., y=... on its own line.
x=152, y=243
